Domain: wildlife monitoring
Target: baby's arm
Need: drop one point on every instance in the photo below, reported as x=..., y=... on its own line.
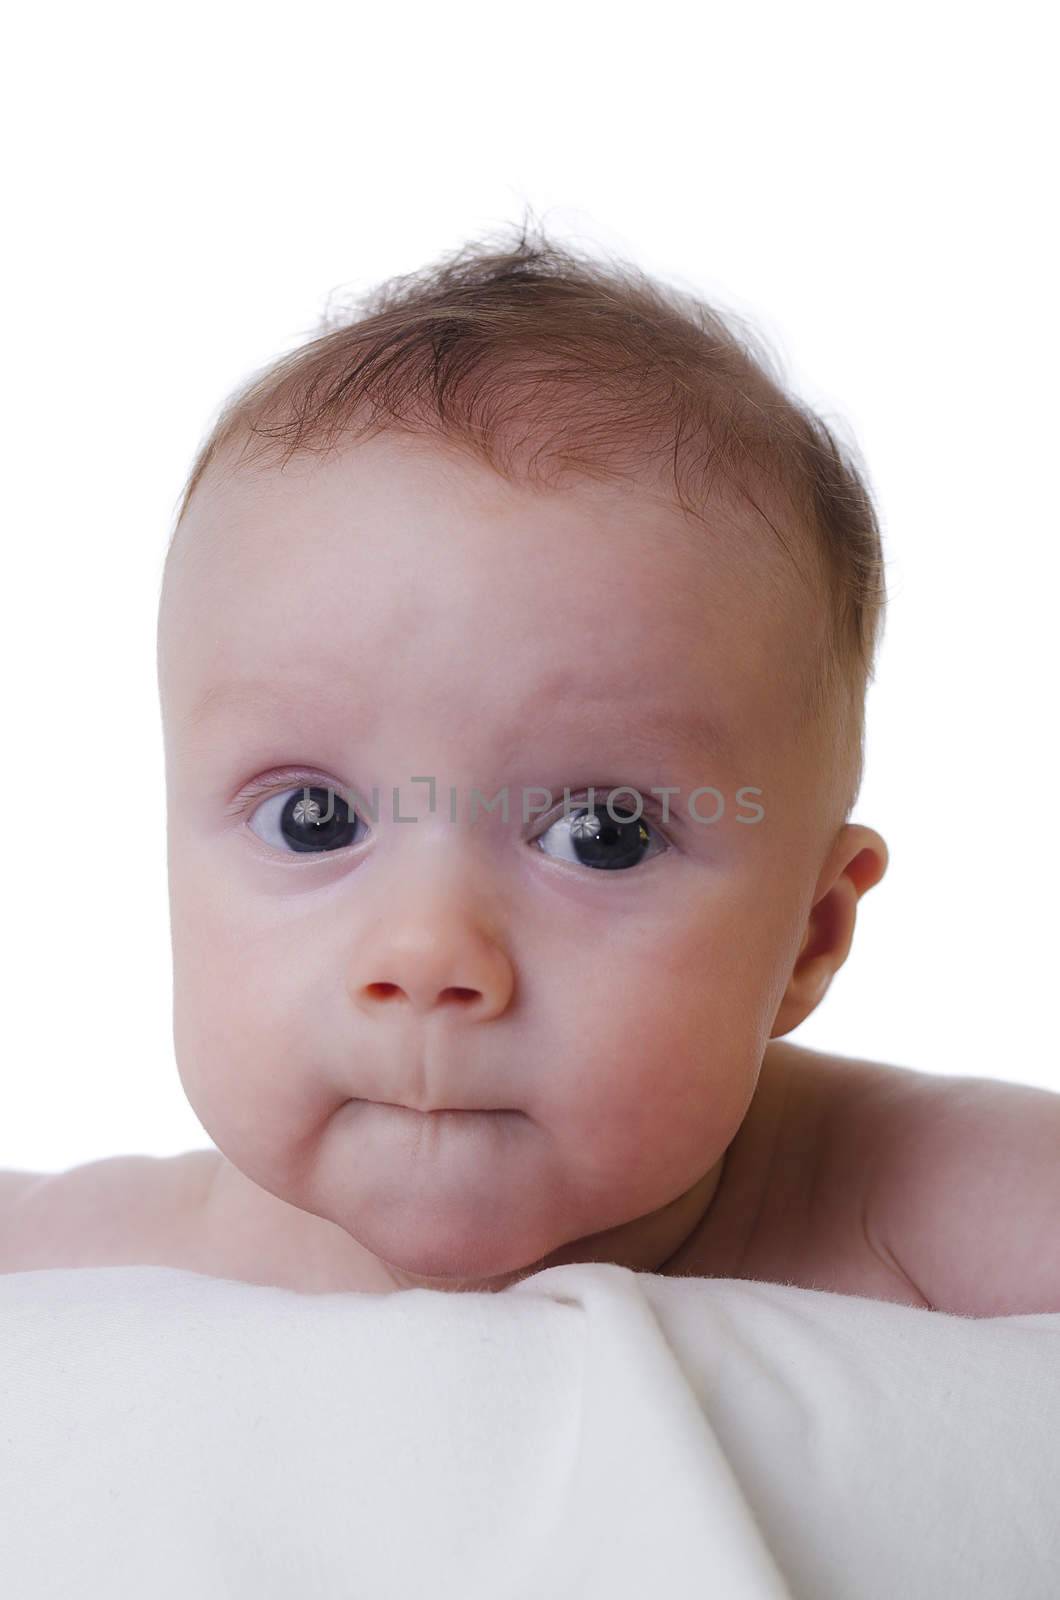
x=965, y=1194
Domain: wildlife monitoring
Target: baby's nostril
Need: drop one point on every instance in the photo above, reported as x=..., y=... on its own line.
x=383, y=991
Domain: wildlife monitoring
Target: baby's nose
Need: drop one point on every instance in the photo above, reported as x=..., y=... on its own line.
x=459, y=967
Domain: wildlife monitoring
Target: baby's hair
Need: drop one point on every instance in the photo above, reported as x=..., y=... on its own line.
x=541, y=361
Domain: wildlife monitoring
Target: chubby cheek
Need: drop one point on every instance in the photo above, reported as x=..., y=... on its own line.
x=243, y=1010
x=669, y=1046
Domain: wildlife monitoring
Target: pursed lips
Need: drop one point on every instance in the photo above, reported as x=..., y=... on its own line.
x=448, y=1111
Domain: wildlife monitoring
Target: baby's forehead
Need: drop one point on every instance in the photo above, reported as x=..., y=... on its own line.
x=392, y=564
x=393, y=497
x=382, y=496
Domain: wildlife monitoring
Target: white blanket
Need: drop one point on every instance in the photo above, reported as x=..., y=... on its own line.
x=590, y=1432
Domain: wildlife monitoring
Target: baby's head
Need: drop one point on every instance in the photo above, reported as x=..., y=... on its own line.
x=528, y=525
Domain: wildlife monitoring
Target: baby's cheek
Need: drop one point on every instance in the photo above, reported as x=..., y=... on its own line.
x=688, y=1038
x=245, y=1042
x=650, y=1068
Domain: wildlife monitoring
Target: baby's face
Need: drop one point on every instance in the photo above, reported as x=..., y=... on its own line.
x=594, y=1006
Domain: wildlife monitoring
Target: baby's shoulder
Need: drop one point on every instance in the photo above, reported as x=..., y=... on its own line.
x=964, y=1189
x=939, y=1188
x=109, y=1212
x=803, y=1168
x=838, y=1113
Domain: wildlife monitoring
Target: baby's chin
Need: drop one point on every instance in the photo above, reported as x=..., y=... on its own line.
x=447, y=1204
x=450, y=1243
x=452, y=1283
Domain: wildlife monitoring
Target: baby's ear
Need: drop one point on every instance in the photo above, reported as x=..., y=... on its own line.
x=856, y=862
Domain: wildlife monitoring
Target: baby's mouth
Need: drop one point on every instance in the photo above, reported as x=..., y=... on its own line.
x=462, y=1111
x=447, y=1111
x=431, y=1111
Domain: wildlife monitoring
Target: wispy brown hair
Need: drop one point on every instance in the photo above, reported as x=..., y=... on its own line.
x=544, y=362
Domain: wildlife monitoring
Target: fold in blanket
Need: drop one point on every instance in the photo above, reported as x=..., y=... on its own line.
x=589, y=1432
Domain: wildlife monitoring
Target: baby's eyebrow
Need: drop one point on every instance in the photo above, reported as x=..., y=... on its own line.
x=638, y=717
x=240, y=694
x=651, y=729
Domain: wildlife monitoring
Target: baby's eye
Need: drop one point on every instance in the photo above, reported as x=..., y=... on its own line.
x=307, y=819
x=592, y=839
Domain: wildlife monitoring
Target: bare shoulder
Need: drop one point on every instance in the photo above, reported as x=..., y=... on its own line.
x=889, y=1124
x=840, y=1081
x=829, y=1108
x=965, y=1194
x=937, y=1189
x=116, y=1211
x=810, y=1151
x=14, y=1183
x=839, y=1112
x=14, y=1187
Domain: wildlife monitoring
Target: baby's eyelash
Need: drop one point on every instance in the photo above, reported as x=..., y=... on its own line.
x=276, y=782
x=579, y=800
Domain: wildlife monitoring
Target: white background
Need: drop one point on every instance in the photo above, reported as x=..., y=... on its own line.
x=872, y=186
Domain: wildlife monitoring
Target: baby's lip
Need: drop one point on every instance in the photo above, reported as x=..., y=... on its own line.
x=437, y=1111
x=429, y=1111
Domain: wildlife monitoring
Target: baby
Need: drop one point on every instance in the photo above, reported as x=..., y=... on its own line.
x=513, y=646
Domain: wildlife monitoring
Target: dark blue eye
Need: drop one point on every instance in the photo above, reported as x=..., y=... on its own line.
x=594, y=839
x=306, y=820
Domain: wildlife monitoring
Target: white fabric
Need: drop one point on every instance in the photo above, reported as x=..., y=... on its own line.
x=590, y=1432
